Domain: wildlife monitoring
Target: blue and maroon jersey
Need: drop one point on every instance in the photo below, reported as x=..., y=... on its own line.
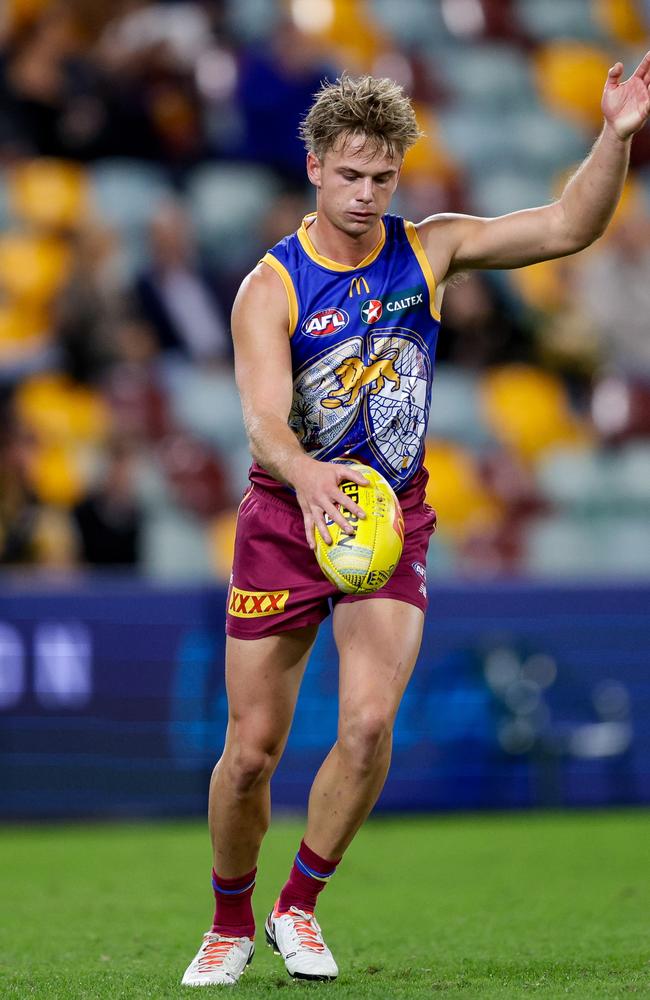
x=363, y=343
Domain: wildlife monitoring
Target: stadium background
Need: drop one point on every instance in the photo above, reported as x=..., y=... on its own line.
x=148, y=157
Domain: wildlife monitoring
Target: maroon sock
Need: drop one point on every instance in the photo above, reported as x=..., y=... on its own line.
x=309, y=876
x=233, y=915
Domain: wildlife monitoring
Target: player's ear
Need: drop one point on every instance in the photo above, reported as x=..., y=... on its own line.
x=314, y=169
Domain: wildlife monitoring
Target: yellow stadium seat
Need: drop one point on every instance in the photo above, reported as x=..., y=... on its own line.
x=463, y=504
x=428, y=157
x=622, y=20
x=56, y=474
x=48, y=193
x=527, y=409
x=22, y=331
x=33, y=268
x=570, y=77
x=541, y=286
x=58, y=409
x=347, y=26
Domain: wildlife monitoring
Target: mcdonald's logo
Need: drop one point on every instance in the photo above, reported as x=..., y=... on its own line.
x=357, y=284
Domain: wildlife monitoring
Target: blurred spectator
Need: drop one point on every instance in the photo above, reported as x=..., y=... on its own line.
x=149, y=51
x=89, y=306
x=276, y=85
x=109, y=518
x=613, y=288
x=478, y=328
x=132, y=385
x=177, y=293
x=52, y=97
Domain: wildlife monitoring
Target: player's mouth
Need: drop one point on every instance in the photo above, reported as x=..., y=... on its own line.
x=362, y=216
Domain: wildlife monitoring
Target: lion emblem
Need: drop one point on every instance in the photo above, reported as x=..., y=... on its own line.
x=354, y=375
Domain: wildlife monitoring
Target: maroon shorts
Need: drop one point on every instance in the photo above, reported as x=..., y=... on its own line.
x=276, y=583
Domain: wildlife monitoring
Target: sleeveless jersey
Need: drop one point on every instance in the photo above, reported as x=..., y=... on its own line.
x=363, y=344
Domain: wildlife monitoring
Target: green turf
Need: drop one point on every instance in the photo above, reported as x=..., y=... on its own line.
x=488, y=906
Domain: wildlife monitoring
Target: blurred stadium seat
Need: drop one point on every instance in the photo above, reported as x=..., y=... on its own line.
x=455, y=412
x=559, y=19
x=570, y=78
x=126, y=193
x=491, y=77
x=622, y=20
x=174, y=547
x=412, y=23
x=32, y=268
x=528, y=410
x=52, y=194
x=251, y=21
x=578, y=479
x=561, y=545
x=228, y=202
x=499, y=191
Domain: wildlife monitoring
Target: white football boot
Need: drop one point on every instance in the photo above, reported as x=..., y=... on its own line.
x=296, y=936
x=220, y=961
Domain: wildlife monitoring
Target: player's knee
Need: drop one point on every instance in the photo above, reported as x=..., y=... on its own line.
x=249, y=766
x=365, y=736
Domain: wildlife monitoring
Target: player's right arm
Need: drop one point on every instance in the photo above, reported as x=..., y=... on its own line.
x=260, y=324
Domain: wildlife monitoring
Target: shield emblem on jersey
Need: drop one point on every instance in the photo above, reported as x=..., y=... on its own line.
x=384, y=379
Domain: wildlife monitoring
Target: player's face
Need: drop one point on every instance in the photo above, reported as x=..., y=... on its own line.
x=355, y=184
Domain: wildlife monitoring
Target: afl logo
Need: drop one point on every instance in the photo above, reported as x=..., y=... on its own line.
x=371, y=311
x=325, y=322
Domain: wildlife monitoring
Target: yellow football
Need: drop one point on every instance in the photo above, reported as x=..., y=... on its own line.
x=364, y=561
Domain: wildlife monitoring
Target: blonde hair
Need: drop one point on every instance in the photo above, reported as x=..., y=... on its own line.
x=366, y=106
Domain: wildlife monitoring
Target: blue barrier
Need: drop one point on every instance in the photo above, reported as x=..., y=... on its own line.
x=112, y=700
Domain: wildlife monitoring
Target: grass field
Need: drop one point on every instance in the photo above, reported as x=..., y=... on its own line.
x=541, y=905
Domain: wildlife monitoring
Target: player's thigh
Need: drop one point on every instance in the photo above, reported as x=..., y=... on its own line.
x=378, y=642
x=263, y=678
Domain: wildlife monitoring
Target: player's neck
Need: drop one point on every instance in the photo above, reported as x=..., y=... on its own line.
x=333, y=243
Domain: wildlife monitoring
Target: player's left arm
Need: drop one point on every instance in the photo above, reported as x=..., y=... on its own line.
x=456, y=242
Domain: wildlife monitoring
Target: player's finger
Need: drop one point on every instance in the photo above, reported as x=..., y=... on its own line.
x=335, y=514
x=349, y=504
x=615, y=72
x=309, y=530
x=323, y=530
x=356, y=477
x=643, y=66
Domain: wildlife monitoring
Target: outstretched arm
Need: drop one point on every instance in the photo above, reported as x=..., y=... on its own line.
x=582, y=213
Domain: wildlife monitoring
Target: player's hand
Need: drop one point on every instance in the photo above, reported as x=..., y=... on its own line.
x=626, y=105
x=318, y=493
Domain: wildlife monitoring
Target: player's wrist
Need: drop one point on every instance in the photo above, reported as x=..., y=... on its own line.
x=614, y=135
x=297, y=467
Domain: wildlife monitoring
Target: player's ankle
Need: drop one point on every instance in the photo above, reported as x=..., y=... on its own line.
x=233, y=916
x=309, y=876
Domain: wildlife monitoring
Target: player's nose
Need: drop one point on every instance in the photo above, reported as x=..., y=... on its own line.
x=365, y=192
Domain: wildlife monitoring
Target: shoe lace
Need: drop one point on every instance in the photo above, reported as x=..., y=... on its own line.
x=307, y=930
x=214, y=953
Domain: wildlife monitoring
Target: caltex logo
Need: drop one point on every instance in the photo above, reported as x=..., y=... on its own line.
x=371, y=311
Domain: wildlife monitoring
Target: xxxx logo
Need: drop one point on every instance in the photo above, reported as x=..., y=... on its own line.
x=357, y=284
x=256, y=603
